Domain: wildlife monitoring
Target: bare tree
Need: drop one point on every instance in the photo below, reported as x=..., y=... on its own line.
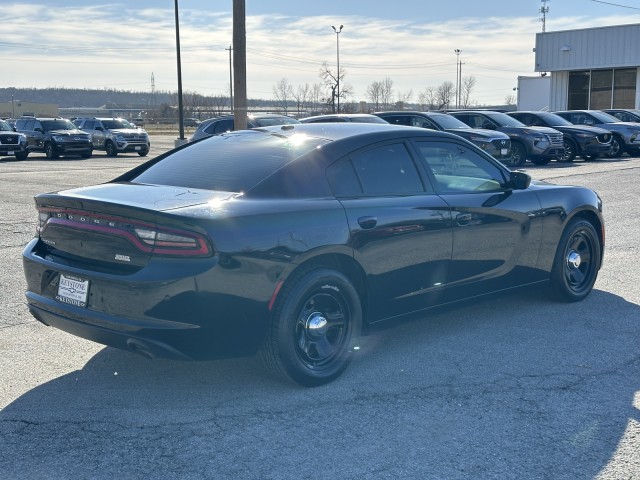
x=386, y=93
x=403, y=98
x=283, y=92
x=330, y=80
x=301, y=96
x=444, y=94
x=466, y=88
x=427, y=98
x=315, y=96
x=374, y=94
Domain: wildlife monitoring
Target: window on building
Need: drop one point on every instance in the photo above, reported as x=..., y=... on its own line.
x=579, y=90
x=624, y=88
x=601, y=89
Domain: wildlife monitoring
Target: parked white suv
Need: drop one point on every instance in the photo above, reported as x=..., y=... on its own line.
x=115, y=135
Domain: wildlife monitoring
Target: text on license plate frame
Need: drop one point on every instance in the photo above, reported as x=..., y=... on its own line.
x=73, y=290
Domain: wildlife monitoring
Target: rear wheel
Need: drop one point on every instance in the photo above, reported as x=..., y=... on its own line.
x=110, y=148
x=143, y=153
x=49, y=151
x=316, y=319
x=575, y=267
x=569, y=151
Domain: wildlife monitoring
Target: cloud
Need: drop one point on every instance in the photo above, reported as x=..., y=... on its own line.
x=119, y=46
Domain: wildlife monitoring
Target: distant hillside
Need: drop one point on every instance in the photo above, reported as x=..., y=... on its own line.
x=76, y=97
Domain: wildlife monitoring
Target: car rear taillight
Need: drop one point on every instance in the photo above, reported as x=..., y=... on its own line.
x=146, y=237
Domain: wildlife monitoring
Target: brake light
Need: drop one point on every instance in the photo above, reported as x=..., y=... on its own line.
x=146, y=237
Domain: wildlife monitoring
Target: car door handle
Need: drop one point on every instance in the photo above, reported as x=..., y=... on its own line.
x=368, y=223
x=463, y=219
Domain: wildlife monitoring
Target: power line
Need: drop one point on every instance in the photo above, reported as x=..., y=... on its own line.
x=616, y=5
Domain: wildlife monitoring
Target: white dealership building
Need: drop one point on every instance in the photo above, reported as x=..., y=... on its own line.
x=591, y=68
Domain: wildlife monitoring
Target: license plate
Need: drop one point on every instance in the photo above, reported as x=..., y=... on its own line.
x=138, y=148
x=73, y=290
x=504, y=151
x=11, y=152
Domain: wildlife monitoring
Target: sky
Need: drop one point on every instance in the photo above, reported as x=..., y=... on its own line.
x=120, y=45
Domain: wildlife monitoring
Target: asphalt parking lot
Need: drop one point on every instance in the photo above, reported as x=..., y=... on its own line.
x=511, y=387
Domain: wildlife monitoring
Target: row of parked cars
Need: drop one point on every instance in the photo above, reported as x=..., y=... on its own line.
x=57, y=137
x=513, y=137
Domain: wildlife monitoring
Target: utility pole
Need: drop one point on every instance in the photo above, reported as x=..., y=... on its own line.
x=240, y=64
x=230, y=79
x=181, y=139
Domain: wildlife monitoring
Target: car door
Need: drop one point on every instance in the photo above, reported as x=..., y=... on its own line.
x=400, y=230
x=496, y=230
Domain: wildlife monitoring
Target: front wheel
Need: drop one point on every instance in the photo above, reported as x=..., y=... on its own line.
x=50, y=152
x=110, y=148
x=518, y=155
x=143, y=153
x=22, y=155
x=316, y=319
x=577, y=261
x=569, y=151
x=617, y=148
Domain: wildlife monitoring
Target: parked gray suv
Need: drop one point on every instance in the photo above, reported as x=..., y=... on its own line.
x=115, y=135
x=538, y=144
x=626, y=135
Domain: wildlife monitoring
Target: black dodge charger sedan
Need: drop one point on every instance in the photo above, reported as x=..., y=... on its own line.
x=288, y=241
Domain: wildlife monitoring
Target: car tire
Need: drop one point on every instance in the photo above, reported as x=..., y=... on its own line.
x=22, y=155
x=316, y=319
x=49, y=151
x=577, y=261
x=518, y=155
x=617, y=147
x=570, y=150
x=110, y=148
x=143, y=153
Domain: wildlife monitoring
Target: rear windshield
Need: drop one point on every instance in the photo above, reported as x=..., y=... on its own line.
x=231, y=162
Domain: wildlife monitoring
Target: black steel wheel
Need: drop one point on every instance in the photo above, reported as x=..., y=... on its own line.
x=518, y=155
x=617, y=147
x=49, y=151
x=577, y=262
x=110, y=148
x=316, y=318
x=569, y=151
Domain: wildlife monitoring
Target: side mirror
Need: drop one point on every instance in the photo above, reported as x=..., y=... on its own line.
x=519, y=180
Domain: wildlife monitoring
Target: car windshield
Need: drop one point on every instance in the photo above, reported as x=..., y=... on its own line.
x=447, y=121
x=4, y=126
x=553, y=120
x=116, y=123
x=504, y=120
x=230, y=162
x=602, y=117
x=49, y=125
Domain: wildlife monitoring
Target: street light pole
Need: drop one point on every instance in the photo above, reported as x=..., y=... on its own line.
x=180, y=113
x=230, y=78
x=457, y=52
x=338, y=30
x=13, y=108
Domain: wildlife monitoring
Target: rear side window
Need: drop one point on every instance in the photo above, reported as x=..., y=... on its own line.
x=384, y=170
x=233, y=162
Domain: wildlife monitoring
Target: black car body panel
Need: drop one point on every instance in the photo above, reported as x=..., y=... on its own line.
x=591, y=141
x=57, y=136
x=185, y=256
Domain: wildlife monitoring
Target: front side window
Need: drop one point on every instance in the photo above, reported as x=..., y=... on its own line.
x=50, y=125
x=459, y=169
